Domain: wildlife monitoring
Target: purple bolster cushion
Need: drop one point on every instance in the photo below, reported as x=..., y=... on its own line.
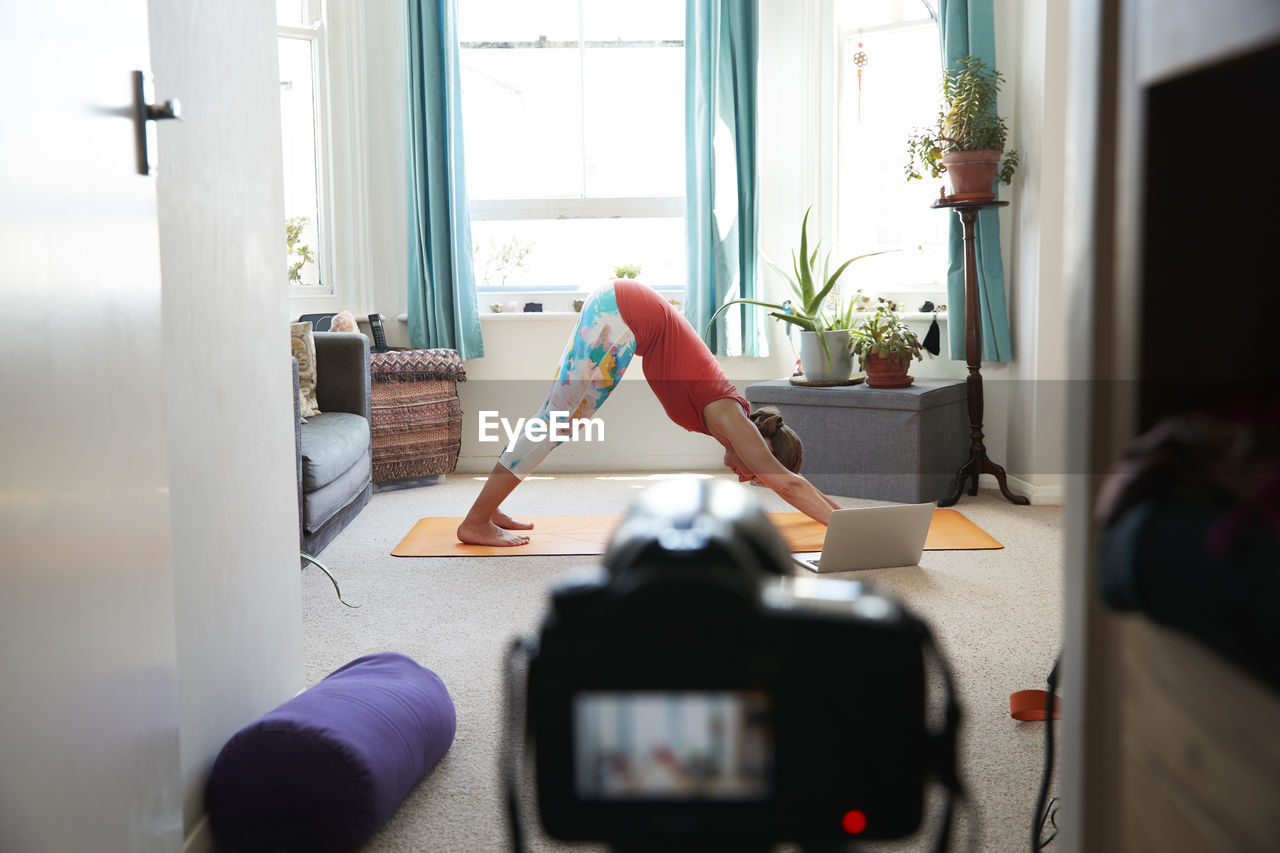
x=324, y=770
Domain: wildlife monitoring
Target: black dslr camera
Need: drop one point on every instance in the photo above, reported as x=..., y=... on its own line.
x=691, y=694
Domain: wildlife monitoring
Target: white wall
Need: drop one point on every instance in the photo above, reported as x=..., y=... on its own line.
x=1031, y=51
x=384, y=98
x=229, y=411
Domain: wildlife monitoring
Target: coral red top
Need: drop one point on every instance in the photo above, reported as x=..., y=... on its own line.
x=683, y=373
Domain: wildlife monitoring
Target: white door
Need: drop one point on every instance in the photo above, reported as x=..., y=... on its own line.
x=88, y=698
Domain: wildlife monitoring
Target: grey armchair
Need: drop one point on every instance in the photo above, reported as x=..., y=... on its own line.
x=334, y=448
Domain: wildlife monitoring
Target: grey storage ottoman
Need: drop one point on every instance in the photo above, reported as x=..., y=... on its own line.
x=891, y=444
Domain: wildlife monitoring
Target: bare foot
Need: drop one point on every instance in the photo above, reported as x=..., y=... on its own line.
x=506, y=522
x=488, y=533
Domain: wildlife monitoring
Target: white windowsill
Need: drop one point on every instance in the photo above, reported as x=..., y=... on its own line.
x=508, y=316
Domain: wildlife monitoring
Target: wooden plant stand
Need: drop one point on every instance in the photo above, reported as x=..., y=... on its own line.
x=979, y=462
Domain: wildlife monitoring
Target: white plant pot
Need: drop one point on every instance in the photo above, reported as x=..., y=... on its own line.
x=814, y=361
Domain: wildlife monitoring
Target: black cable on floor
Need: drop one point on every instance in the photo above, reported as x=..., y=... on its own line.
x=1050, y=817
x=1042, y=799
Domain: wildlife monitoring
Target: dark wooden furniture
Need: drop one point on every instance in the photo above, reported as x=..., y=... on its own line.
x=979, y=462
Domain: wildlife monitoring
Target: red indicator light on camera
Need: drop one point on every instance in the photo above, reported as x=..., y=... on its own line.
x=854, y=822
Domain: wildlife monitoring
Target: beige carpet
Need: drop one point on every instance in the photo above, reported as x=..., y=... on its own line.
x=997, y=615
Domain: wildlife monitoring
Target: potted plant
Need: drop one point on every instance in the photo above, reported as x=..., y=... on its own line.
x=885, y=346
x=823, y=340
x=295, y=248
x=967, y=140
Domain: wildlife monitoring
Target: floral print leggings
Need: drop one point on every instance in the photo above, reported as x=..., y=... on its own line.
x=594, y=360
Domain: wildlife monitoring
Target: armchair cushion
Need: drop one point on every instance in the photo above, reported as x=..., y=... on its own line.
x=331, y=444
x=350, y=486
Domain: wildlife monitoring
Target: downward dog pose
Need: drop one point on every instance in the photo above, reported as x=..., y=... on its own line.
x=625, y=319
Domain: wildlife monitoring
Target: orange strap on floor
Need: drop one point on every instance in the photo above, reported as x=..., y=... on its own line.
x=1029, y=705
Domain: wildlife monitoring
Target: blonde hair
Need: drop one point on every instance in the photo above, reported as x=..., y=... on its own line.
x=786, y=445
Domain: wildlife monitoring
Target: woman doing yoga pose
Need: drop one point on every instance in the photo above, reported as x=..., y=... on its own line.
x=625, y=319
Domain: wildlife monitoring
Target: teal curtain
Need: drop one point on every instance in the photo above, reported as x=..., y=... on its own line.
x=441, y=285
x=722, y=188
x=968, y=28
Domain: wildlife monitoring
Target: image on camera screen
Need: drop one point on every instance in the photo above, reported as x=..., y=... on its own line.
x=679, y=745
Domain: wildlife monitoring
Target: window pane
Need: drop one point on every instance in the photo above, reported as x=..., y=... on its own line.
x=298, y=133
x=517, y=20
x=581, y=253
x=634, y=121
x=875, y=13
x=652, y=20
x=289, y=13
x=878, y=208
x=566, y=120
x=521, y=119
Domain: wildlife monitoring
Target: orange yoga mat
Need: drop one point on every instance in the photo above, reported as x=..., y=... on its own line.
x=589, y=534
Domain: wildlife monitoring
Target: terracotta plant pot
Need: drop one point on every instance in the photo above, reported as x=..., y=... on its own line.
x=972, y=174
x=887, y=371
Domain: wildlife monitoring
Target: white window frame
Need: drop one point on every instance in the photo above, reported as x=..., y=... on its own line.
x=316, y=34
x=598, y=207
x=574, y=207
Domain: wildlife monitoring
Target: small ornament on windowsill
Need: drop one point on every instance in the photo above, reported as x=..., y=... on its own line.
x=860, y=60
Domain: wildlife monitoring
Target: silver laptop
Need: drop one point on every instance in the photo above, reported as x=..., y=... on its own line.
x=874, y=537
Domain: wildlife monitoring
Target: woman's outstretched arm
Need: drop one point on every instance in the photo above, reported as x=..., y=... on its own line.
x=732, y=428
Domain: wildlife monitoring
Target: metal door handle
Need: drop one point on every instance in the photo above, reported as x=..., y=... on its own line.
x=143, y=112
x=169, y=109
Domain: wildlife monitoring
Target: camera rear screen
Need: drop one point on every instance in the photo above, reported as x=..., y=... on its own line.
x=680, y=745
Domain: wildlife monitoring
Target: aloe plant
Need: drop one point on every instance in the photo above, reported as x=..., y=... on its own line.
x=810, y=290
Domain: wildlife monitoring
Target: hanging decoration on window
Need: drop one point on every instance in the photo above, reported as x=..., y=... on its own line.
x=860, y=60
